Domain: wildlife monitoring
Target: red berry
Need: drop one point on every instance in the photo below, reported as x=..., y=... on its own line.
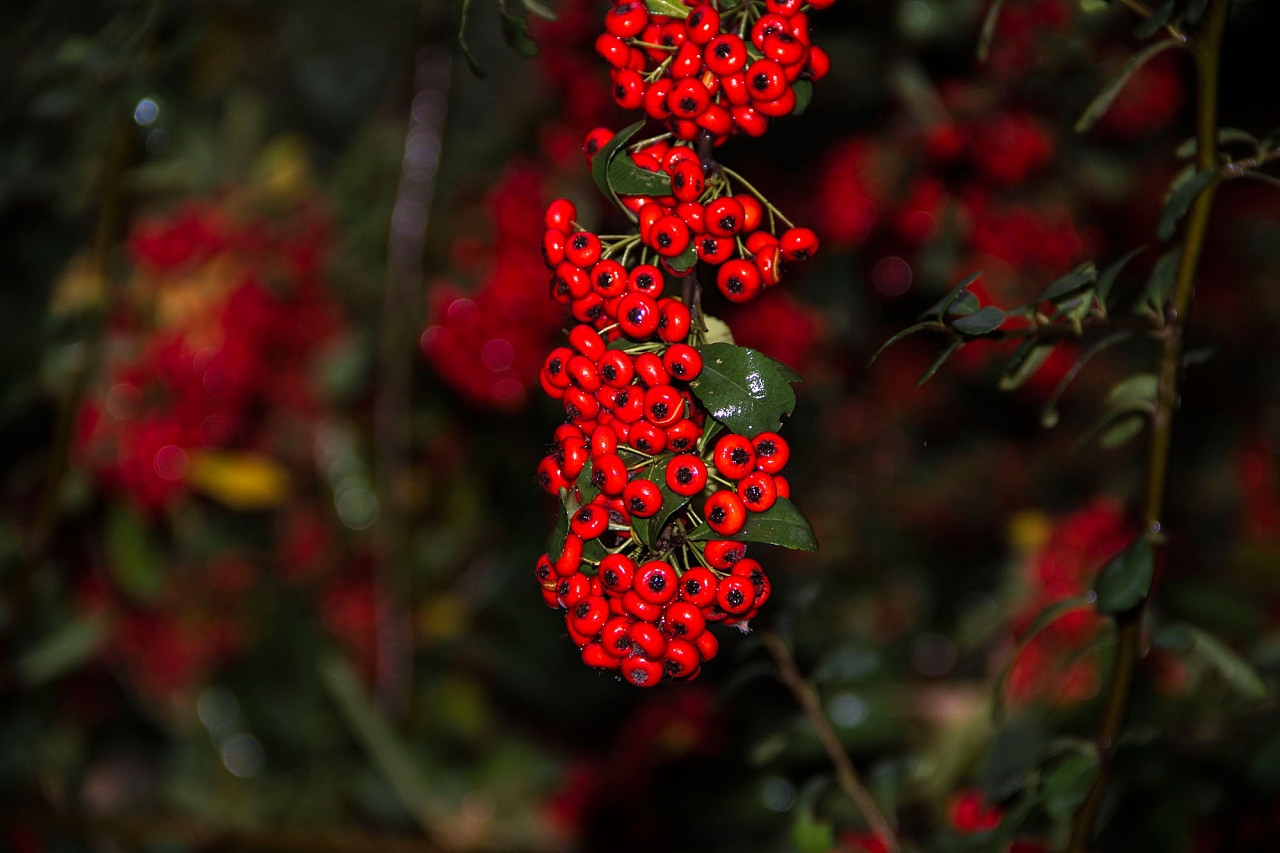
x=735, y=595
x=738, y=280
x=647, y=437
x=608, y=471
x=615, y=368
x=638, y=316
x=686, y=474
x=698, y=587
x=616, y=573
x=650, y=370
x=669, y=236
x=772, y=452
x=735, y=456
x=561, y=213
x=757, y=491
x=641, y=671
x=589, y=521
x=683, y=619
x=723, y=217
x=722, y=554
x=682, y=362
x=724, y=512
x=643, y=497
x=702, y=24
x=645, y=278
x=647, y=639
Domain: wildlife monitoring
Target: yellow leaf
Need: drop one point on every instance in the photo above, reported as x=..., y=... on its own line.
x=243, y=481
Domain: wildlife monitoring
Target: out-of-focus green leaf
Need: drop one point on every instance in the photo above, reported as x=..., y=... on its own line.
x=1014, y=754
x=988, y=29
x=1160, y=16
x=939, y=361
x=1107, y=279
x=1082, y=275
x=63, y=651
x=1237, y=672
x=1181, y=195
x=133, y=557
x=942, y=307
x=1125, y=581
x=910, y=330
x=1024, y=362
x=984, y=320
x=1068, y=784
x=804, y=96
x=1104, y=99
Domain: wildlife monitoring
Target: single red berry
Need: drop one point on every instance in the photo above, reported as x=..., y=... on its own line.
x=819, y=63
x=749, y=120
x=698, y=587
x=616, y=573
x=613, y=636
x=735, y=595
x=615, y=368
x=588, y=616
x=766, y=80
x=669, y=236
x=561, y=214
x=798, y=244
x=613, y=50
x=738, y=280
x=725, y=54
x=643, y=497
x=784, y=48
x=673, y=320
x=683, y=619
x=582, y=372
x=647, y=437
x=702, y=24
x=707, y=645
x=589, y=521
x=687, y=182
x=647, y=639
x=663, y=406
x=627, y=19
x=766, y=24
x=682, y=436
x=554, y=367
x=596, y=656
x=735, y=456
x=628, y=89
x=596, y=140
x=650, y=370
x=686, y=474
x=569, y=282
x=638, y=316
x=734, y=91
x=769, y=262
x=772, y=452
x=716, y=120
x=725, y=513
x=655, y=99
x=688, y=98
x=722, y=554
x=641, y=671
x=682, y=362
x=757, y=491
x=723, y=217
x=572, y=589
x=685, y=62
x=638, y=607
x=783, y=485
x=713, y=250
x=783, y=105
x=608, y=471
x=655, y=582
x=579, y=404
x=588, y=309
x=646, y=279
x=553, y=243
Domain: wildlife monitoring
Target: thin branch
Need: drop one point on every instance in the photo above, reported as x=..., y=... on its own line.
x=846, y=775
x=1142, y=11
x=1208, y=54
x=395, y=380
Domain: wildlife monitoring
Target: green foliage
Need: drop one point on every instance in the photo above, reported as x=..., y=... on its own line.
x=1126, y=580
x=743, y=389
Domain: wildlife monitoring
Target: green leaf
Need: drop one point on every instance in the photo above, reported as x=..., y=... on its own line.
x=910, y=330
x=939, y=361
x=133, y=558
x=1125, y=581
x=809, y=834
x=1068, y=784
x=1108, y=277
x=649, y=529
x=1014, y=754
x=593, y=550
x=1160, y=16
x=804, y=95
x=743, y=389
x=786, y=371
x=1226, y=136
x=555, y=543
x=670, y=8
x=984, y=320
x=781, y=524
x=66, y=649
x=1137, y=392
x=626, y=178
x=1024, y=362
x=516, y=33
x=1103, y=101
x=718, y=331
x=684, y=261
x=1082, y=275
x=604, y=157
x=586, y=489
x=1238, y=673
x=540, y=10
x=1119, y=430
x=988, y=30
x=1184, y=191
x=965, y=303
x=939, y=309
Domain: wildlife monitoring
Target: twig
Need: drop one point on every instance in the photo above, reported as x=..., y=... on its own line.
x=395, y=380
x=1142, y=11
x=846, y=775
x=1207, y=52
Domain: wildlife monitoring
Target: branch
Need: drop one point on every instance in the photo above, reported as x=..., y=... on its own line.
x=394, y=621
x=1208, y=54
x=846, y=775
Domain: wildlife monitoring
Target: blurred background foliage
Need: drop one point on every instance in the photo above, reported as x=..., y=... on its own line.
x=270, y=518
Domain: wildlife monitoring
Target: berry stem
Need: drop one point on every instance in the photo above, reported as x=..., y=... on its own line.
x=847, y=776
x=773, y=211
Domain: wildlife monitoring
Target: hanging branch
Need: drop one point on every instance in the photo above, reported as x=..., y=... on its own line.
x=1207, y=52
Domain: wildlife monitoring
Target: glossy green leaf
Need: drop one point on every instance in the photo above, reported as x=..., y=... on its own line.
x=1024, y=362
x=604, y=157
x=742, y=389
x=626, y=178
x=555, y=542
x=684, y=261
x=1078, y=278
x=1104, y=99
x=670, y=8
x=1068, y=784
x=586, y=489
x=1125, y=581
x=980, y=322
x=781, y=524
x=939, y=361
x=593, y=551
x=1180, y=197
x=804, y=95
x=942, y=307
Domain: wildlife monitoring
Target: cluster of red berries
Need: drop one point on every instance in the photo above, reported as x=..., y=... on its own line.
x=658, y=496
x=640, y=602
x=711, y=71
